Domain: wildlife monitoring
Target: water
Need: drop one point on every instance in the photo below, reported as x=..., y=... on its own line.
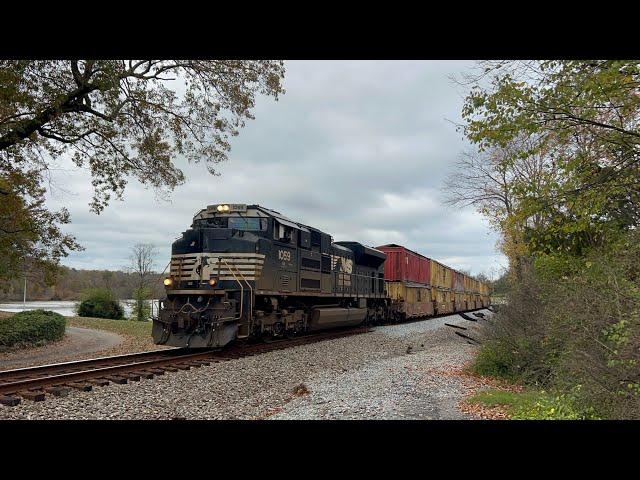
x=65, y=308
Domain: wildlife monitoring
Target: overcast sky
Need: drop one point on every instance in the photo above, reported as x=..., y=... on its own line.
x=356, y=149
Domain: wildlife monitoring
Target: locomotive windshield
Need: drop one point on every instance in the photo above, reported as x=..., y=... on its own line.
x=215, y=222
x=248, y=223
x=239, y=223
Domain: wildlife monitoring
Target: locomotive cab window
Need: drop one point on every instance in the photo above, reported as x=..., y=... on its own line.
x=215, y=222
x=283, y=233
x=248, y=223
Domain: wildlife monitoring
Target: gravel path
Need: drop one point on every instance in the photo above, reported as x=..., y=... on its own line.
x=395, y=372
x=77, y=342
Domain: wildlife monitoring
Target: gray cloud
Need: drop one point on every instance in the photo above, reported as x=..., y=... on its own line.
x=357, y=149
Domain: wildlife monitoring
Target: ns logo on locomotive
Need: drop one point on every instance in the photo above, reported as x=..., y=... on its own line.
x=245, y=271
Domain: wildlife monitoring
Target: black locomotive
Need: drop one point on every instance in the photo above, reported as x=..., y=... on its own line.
x=246, y=271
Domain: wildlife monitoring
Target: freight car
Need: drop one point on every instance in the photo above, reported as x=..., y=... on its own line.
x=245, y=271
x=419, y=286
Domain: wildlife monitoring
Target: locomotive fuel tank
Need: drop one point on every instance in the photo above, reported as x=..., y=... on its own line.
x=324, y=318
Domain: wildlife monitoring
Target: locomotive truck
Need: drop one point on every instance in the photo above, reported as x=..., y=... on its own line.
x=244, y=271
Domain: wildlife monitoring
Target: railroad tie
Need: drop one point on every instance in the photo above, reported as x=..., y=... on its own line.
x=170, y=368
x=36, y=396
x=455, y=326
x=82, y=386
x=133, y=377
x=156, y=371
x=182, y=366
x=117, y=379
x=100, y=382
x=9, y=400
x=145, y=374
x=467, y=337
x=467, y=317
x=195, y=363
x=58, y=391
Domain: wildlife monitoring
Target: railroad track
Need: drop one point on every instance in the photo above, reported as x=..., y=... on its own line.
x=38, y=383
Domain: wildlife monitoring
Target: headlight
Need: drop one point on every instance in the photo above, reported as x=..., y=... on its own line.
x=222, y=208
x=167, y=282
x=212, y=281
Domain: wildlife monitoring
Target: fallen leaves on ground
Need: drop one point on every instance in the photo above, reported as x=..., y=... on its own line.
x=470, y=384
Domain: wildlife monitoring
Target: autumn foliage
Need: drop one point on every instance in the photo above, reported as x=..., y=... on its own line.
x=556, y=169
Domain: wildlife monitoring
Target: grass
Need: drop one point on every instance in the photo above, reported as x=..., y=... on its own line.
x=141, y=330
x=531, y=405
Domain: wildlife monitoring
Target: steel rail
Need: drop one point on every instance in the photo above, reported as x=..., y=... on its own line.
x=16, y=386
x=30, y=381
x=176, y=351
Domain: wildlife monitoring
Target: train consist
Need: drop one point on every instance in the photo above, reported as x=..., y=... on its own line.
x=420, y=287
x=244, y=271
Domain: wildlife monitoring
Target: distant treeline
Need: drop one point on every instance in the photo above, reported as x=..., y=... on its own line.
x=71, y=283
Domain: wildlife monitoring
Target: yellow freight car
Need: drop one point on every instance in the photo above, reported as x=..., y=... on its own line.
x=420, y=286
x=410, y=299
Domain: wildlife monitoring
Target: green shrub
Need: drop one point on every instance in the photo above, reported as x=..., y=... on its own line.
x=100, y=303
x=30, y=328
x=534, y=405
x=496, y=360
x=572, y=325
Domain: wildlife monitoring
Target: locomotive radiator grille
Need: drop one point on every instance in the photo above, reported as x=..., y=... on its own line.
x=183, y=266
x=202, y=266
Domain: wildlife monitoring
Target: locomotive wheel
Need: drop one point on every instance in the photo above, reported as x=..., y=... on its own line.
x=278, y=328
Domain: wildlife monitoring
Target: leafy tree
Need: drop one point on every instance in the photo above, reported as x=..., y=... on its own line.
x=141, y=267
x=556, y=170
x=31, y=242
x=582, y=118
x=120, y=119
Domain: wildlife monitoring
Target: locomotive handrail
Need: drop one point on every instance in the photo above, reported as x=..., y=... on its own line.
x=241, y=287
x=340, y=287
x=250, y=289
x=242, y=290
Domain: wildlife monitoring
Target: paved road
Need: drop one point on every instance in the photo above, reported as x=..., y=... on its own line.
x=76, y=341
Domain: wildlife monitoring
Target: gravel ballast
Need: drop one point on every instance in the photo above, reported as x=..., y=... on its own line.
x=407, y=371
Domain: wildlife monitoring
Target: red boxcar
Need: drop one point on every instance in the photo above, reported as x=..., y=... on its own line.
x=403, y=265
